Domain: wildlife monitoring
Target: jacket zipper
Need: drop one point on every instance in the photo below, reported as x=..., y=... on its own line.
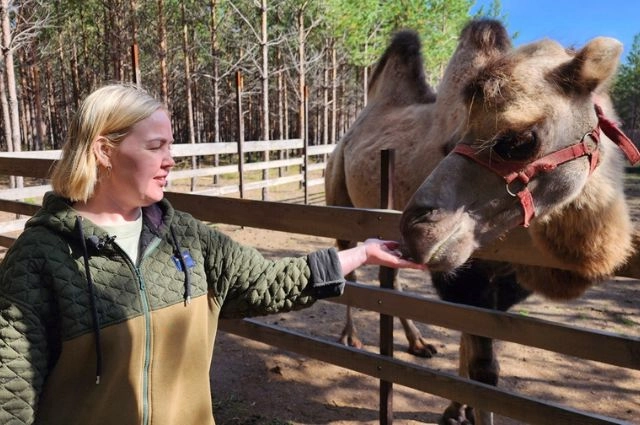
x=147, y=347
x=147, y=334
x=146, y=310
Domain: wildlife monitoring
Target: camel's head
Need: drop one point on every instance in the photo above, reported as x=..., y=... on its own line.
x=522, y=106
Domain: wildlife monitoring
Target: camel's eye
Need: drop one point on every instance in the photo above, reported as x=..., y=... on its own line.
x=516, y=146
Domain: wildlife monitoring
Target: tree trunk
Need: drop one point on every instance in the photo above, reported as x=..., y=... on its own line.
x=63, y=83
x=215, y=58
x=287, y=128
x=187, y=82
x=25, y=107
x=41, y=127
x=162, y=54
x=135, y=68
x=325, y=103
x=265, y=91
x=12, y=98
x=265, y=70
x=89, y=74
x=281, y=95
x=365, y=80
x=301, y=71
x=75, y=76
x=117, y=22
x=215, y=55
x=6, y=117
x=56, y=128
x=334, y=92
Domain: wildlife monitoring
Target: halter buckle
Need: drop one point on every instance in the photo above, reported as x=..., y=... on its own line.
x=514, y=194
x=594, y=137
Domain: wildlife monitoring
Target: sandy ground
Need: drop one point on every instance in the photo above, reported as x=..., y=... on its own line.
x=254, y=383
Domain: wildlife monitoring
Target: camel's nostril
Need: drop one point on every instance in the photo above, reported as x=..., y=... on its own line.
x=419, y=215
x=408, y=253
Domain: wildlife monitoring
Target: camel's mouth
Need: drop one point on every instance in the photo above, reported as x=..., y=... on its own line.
x=439, y=246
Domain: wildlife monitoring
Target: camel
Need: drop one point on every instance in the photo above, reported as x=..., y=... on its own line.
x=513, y=137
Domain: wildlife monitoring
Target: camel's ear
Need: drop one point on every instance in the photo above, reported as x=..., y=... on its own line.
x=102, y=150
x=596, y=63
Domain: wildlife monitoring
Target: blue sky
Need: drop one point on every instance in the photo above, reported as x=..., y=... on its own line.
x=571, y=22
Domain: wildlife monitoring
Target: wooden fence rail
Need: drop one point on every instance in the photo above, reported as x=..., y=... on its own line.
x=38, y=164
x=446, y=385
x=358, y=224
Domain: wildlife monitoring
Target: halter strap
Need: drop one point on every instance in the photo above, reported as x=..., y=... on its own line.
x=587, y=146
x=613, y=132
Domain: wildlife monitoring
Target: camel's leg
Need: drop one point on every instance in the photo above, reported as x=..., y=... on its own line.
x=349, y=335
x=481, y=284
x=482, y=365
x=477, y=362
x=481, y=360
x=418, y=346
x=457, y=413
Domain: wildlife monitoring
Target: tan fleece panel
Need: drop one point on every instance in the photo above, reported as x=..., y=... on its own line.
x=71, y=395
x=183, y=338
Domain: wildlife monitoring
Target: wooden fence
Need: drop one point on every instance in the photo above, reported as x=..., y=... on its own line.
x=358, y=224
x=308, y=159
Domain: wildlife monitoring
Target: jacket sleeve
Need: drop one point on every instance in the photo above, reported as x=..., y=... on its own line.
x=247, y=284
x=23, y=342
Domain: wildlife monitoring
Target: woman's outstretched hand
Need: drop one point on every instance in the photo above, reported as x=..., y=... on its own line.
x=378, y=252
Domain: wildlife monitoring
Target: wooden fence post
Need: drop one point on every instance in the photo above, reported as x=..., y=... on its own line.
x=386, y=277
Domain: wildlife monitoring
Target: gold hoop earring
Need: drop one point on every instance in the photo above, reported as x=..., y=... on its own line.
x=108, y=170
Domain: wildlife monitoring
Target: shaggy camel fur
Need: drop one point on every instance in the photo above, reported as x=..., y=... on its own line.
x=495, y=107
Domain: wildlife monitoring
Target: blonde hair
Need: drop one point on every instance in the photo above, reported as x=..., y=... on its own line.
x=109, y=112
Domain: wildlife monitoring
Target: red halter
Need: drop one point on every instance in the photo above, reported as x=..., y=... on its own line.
x=523, y=171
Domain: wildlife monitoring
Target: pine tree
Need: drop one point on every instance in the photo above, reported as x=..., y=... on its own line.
x=626, y=91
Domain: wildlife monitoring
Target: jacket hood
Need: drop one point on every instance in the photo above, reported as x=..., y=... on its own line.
x=58, y=216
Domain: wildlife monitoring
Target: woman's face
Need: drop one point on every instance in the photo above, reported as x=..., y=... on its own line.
x=141, y=163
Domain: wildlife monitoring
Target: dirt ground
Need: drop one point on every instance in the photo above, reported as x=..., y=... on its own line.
x=254, y=383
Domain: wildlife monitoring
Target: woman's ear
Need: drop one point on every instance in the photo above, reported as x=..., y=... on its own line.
x=102, y=150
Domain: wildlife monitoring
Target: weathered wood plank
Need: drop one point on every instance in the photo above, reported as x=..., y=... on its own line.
x=527, y=409
x=27, y=167
x=320, y=149
x=332, y=222
x=339, y=223
x=18, y=207
x=350, y=223
x=606, y=347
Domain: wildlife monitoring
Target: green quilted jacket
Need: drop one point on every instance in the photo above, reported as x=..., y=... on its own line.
x=90, y=337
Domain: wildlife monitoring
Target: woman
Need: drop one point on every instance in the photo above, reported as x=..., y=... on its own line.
x=110, y=298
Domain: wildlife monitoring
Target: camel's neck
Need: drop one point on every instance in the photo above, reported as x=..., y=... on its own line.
x=592, y=234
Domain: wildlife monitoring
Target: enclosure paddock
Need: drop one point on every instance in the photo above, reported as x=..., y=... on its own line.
x=357, y=224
